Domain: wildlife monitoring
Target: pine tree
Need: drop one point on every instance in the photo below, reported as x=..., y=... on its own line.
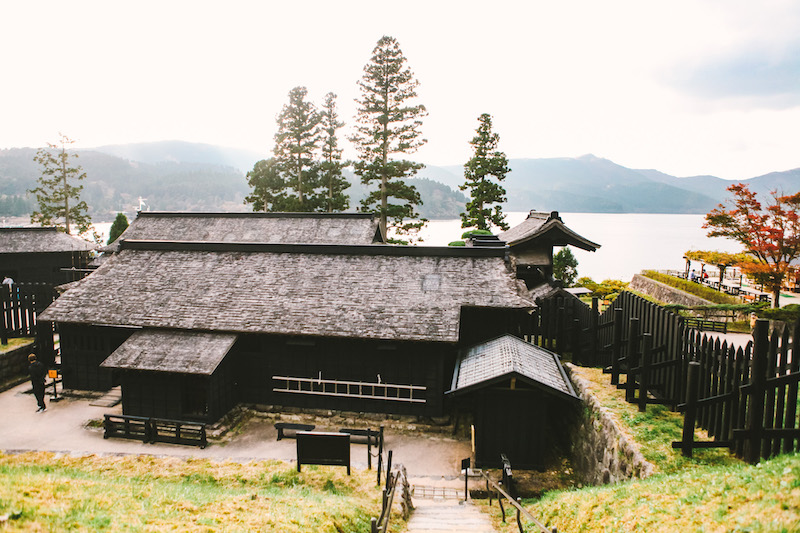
x=388, y=124
x=58, y=200
x=331, y=177
x=487, y=162
x=296, y=144
x=119, y=225
x=565, y=266
x=269, y=187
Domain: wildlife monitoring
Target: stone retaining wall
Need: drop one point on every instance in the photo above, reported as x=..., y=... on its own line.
x=14, y=366
x=664, y=293
x=601, y=453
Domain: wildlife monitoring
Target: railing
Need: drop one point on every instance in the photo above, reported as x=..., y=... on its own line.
x=154, y=430
x=394, y=478
x=493, y=486
x=351, y=389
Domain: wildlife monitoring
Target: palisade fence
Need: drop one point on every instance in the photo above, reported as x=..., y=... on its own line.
x=745, y=398
x=20, y=306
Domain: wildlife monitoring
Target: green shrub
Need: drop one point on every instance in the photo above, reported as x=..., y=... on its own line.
x=789, y=313
x=707, y=293
x=469, y=233
x=456, y=243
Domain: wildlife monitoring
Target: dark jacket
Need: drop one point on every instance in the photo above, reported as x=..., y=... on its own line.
x=37, y=372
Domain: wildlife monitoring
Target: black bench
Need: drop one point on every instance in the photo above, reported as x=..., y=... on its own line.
x=283, y=426
x=154, y=430
x=178, y=432
x=372, y=435
x=126, y=427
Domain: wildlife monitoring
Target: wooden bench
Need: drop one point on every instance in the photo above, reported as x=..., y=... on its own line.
x=706, y=325
x=154, y=430
x=178, y=432
x=283, y=426
x=372, y=435
x=126, y=427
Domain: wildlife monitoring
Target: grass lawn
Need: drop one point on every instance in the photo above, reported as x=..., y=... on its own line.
x=46, y=492
x=712, y=492
x=13, y=344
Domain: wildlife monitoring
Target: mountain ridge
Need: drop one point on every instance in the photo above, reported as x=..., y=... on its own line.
x=180, y=175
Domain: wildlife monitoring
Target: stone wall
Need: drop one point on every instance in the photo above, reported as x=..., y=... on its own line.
x=601, y=453
x=14, y=366
x=665, y=293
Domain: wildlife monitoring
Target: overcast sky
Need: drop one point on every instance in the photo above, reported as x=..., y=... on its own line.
x=685, y=87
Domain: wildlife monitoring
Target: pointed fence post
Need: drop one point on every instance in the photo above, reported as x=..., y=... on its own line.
x=758, y=382
x=616, y=347
x=690, y=414
x=644, y=378
x=631, y=360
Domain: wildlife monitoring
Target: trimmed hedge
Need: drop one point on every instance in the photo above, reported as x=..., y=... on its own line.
x=691, y=287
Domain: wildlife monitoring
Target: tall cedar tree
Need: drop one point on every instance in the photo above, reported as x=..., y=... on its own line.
x=331, y=177
x=59, y=200
x=119, y=225
x=268, y=185
x=487, y=162
x=771, y=236
x=296, y=144
x=387, y=125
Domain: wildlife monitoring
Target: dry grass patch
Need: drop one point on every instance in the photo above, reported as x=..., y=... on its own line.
x=45, y=492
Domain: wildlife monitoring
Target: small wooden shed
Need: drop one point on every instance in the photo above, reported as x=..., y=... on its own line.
x=43, y=255
x=520, y=399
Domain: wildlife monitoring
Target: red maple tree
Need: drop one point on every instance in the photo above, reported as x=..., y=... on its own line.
x=771, y=235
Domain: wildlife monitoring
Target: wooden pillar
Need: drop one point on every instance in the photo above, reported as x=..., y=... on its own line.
x=758, y=378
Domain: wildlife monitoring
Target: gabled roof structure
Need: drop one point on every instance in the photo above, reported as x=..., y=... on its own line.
x=546, y=228
x=294, y=228
x=369, y=291
x=40, y=240
x=507, y=357
x=184, y=352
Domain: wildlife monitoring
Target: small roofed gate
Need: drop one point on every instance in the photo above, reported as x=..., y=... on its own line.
x=521, y=400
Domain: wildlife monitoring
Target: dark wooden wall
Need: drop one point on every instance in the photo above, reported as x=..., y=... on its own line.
x=178, y=396
x=258, y=358
x=527, y=425
x=43, y=267
x=83, y=348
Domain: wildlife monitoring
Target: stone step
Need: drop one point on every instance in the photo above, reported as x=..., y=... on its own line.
x=432, y=516
x=431, y=492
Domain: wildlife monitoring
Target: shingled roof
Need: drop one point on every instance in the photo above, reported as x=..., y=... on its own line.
x=184, y=352
x=295, y=228
x=510, y=357
x=370, y=291
x=547, y=227
x=40, y=240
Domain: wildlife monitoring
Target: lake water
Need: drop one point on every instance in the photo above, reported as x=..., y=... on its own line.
x=629, y=243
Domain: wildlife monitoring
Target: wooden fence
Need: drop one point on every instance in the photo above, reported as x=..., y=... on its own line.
x=746, y=398
x=20, y=305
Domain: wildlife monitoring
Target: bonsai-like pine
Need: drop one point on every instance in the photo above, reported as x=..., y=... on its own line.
x=388, y=125
x=486, y=163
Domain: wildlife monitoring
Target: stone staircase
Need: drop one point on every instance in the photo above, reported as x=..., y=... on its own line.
x=441, y=510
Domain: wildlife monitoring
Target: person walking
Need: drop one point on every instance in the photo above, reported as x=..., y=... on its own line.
x=37, y=372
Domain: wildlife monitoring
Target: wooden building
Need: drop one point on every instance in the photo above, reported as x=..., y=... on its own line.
x=365, y=328
x=519, y=398
x=43, y=255
x=336, y=320
x=531, y=245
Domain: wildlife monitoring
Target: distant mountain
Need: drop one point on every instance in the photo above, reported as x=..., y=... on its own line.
x=176, y=175
x=184, y=152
